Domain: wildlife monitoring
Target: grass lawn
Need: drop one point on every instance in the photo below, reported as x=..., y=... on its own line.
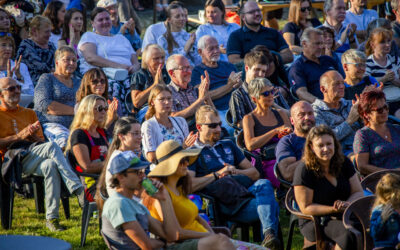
x=27, y=222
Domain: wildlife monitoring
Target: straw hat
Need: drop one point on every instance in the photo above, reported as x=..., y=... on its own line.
x=168, y=155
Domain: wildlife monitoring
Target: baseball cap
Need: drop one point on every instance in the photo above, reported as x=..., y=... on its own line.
x=125, y=160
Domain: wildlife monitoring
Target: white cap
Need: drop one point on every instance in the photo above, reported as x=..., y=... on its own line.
x=106, y=3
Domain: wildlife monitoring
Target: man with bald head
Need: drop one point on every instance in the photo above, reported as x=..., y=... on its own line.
x=252, y=33
x=44, y=159
x=290, y=148
x=334, y=111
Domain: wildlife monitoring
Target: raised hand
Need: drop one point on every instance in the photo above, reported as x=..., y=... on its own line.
x=16, y=69
x=159, y=79
x=190, y=139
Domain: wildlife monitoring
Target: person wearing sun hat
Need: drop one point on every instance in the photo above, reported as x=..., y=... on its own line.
x=126, y=222
x=172, y=169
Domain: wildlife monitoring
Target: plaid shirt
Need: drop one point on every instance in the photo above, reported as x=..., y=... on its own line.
x=240, y=103
x=182, y=98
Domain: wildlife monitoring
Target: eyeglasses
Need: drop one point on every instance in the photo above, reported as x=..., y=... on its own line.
x=184, y=69
x=134, y=133
x=102, y=108
x=268, y=92
x=305, y=8
x=136, y=171
x=99, y=81
x=252, y=12
x=362, y=65
x=381, y=109
x=183, y=160
x=213, y=125
x=165, y=99
x=12, y=88
x=5, y=34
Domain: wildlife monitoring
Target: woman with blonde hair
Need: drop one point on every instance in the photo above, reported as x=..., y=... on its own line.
x=88, y=142
x=160, y=126
x=385, y=216
x=301, y=16
x=324, y=186
x=37, y=51
x=95, y=81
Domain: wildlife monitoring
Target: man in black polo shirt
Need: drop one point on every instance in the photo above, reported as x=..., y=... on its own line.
x=305, y=72
x=241, y=41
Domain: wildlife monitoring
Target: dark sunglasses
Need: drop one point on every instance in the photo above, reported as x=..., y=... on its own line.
x=12, y=88
x=212, y=125
x=305, y=8
x=268, y=92
x=5, y=34
x=135, y=171
x=381, y=109
x=101, y=108
x=99, y=81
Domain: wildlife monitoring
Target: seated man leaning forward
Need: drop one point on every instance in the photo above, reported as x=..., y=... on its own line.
x=290, y=148
x=44, y=159
x=339, y=114
x=221, y=164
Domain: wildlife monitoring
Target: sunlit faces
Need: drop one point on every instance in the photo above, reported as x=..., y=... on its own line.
x=61, y=15
x=177, y=18
x=338, y=10
x=382, y=47
x=207, y=132
x=211, y=52
x=182, y=75
x=113, y=9
x=42, y=35
x=10, y=92
x=163, y=102
x=266, y=98
x=6, y=49
x=257, y=70
x=133, y=138
x=4, y=22
x=214, y=15
x=133, y=178
x=335, y=89
x=182, y=169
x=379, y=113
x=155, y=59
x=67, y=63
x=98, y=85
x=323, y=147
x=252, y=15
x=100, y=111
x=303, y=118
x=314, y=47
x=77, y=21
x=355, y=69
x=304, y=10
x=102, y=23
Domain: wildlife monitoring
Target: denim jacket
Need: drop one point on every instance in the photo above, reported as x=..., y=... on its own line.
x=385, y=231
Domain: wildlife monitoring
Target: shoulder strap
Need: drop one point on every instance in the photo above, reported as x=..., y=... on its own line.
x=89, y=136
x=179, y=126
x=103, y=134
x=278, y=116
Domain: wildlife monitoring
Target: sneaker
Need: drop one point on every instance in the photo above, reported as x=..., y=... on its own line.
x=54, y=225
x=271, y=241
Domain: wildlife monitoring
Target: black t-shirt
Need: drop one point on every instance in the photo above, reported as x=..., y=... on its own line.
x=291, y=27
x=80, y=137
x=324, y=192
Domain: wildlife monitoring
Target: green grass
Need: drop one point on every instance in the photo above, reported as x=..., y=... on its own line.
x=27, y=222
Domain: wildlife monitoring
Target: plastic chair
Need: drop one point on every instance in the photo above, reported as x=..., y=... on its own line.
x=228, y=118
x=369, y=182
x=291, y=206
x=361, y=209
x=88, y=207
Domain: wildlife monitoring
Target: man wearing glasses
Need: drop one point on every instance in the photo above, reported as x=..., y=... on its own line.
x=252, y=33
x=43, y=159
x=221, y=158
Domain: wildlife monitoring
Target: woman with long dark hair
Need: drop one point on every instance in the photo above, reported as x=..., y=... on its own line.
x=55, y=11
x=73, y=28
x=324, y=186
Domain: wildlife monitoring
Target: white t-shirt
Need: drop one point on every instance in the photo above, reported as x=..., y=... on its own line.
x=115, y=48
x=153, y=32
x=362, y=20
x=54, y=39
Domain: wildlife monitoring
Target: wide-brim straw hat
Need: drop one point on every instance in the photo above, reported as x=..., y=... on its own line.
x=168, y=155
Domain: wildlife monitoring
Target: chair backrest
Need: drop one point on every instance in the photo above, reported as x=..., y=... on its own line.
x=228, y=119
x=106, y=240
x=361, y=209
x=240, y=141
x=280, y=178
x=291, y=206
x=369, y=182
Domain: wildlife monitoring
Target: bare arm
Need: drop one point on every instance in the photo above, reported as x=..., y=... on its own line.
x=135, y=63
x=56, y=108
x=289, y=38
x=288, y=166
x=303, y=94
x=139, y=98
x=356, y=189
x=363, y=165
x=90, y=54
x=234, y=58
x=136, y=233
x=245, y=168
x=304, y=196
x=199, y=183
x=250, y=140
x=81, y=153
x=286, y=55
x=151, y=157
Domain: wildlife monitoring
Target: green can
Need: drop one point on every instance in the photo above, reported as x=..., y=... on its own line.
x=149, y=187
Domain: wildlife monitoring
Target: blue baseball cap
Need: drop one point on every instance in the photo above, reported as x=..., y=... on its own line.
x=124, y=160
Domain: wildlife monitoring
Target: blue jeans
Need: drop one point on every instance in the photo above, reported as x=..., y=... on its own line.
x=263, y=207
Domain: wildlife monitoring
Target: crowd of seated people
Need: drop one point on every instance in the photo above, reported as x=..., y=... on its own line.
x=318, y=101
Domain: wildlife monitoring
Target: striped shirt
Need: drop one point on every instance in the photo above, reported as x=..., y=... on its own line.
x=376, y=70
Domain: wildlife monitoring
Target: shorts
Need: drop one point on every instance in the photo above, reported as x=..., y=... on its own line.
x=184, y=245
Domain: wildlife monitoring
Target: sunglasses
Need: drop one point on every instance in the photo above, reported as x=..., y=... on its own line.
x=136, y=171
x=381, y=109
x=305, y=8
x=12, y=88
x=269, y=92
x=98, y=81
x=5, y=34
x=102, y=108
x=363, y=65
x=213, y=125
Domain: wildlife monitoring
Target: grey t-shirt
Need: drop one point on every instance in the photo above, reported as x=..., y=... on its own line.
x=118, y=210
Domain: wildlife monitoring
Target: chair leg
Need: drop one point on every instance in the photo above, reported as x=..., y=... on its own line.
x=38, y=191
x=65, y=202
x=87, y=212
x=257, y=232
x=7, y=200
x=292, y=221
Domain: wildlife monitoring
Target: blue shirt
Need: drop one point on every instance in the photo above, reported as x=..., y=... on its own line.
x=212, y=159
x=241, y=41
x=306, y=73
x=218, y=78
x=290, y=146
x=133, y=39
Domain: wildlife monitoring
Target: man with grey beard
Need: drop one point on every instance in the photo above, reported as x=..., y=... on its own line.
x=290, y=148
x=223, y=78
